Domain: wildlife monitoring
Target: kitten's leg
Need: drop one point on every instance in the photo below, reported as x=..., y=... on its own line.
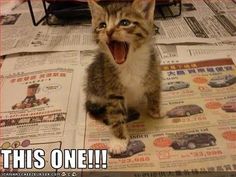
x=132, y=115
x=96, y=107
x=153, y=104
x=116, y=114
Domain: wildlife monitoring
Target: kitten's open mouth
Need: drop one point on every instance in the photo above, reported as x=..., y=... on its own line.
x=119, y=51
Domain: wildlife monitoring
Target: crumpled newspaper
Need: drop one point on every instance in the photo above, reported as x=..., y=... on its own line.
x=7, y=6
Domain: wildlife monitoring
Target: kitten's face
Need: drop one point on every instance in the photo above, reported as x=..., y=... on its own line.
x=122, y=28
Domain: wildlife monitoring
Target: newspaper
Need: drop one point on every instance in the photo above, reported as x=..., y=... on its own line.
x=221, y=6
x=8, y=6
x=167, y=54
x=170, y=54
x=39, y=99
x=51, y=118
x=167, y=141
x=42, y=94
x=199, y=50
x=36, y=6
x=19, y=35
x=197, y=24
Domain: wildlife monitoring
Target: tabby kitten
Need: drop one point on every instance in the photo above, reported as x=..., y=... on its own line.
x=125, y=68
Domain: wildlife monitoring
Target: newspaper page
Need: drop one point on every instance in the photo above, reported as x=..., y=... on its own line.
x=36, y=6
x=20, y=36
x=7, y=6
x=221, y=6
x=198, y=23
x=196, y=50
x=42, y=99
x=39, y=102
x=170, y=54
x=198, y=132
x=62, y=38
x=17, y=32
x=167, y=53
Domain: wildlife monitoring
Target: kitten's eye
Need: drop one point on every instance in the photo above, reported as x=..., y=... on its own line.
x=124, y=22
x=102, y=25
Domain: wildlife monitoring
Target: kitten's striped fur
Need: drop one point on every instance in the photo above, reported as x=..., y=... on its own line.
x=112, y=88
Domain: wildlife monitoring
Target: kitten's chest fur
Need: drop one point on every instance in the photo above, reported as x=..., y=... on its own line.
x=132, y=77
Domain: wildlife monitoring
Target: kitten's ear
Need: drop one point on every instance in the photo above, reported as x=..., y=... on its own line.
x=145, y=7
x=95, y=8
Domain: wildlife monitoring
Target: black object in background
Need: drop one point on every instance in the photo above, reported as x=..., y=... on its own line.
x=61, y=12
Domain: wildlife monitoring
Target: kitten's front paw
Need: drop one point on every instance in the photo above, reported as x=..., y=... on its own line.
x=117, y=146
x=156, y=114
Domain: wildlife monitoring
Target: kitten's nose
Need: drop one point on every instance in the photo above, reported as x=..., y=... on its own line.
x=110, y=33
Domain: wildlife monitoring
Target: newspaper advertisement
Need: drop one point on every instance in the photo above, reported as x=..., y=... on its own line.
x=198, y=23
x=198, y=132
x=39, y=95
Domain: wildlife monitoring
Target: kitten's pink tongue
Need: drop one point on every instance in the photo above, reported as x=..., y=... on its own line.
x=119, y=52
